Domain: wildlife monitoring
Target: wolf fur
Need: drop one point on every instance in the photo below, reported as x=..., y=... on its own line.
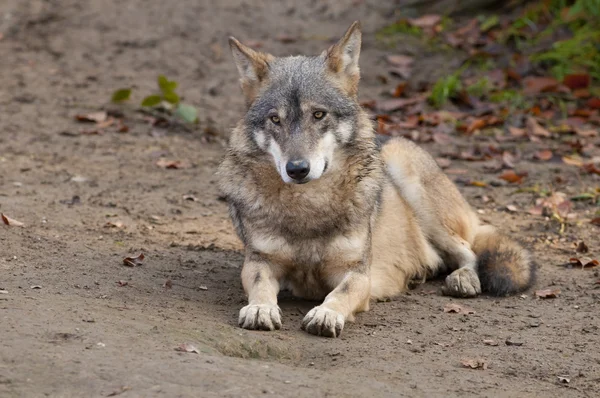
x=357, y=220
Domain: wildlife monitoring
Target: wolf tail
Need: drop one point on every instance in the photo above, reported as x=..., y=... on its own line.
x=503, y=265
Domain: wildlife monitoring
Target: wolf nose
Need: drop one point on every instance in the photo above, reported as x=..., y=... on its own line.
x=297, y=169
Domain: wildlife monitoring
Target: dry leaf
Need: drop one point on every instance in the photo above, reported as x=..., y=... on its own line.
x=133, y=261
x=187, y=347
x=474, y=363
x=583, y=262
x=444, y=163
x=512, y=208
x=536, y=85
x=576, y=81
x=512, y=177
x=591, y=168
x=168, y=284
x=517, y=132
x=552, y=292
x=593, y=103
x=399, y=90
x=11, y=222
x=582, y=248
x=508, y=159
x=544, y=155
x=564, y=379
x=480, y=184
x=94, y=117
x=426, y=21
x=122, y=283
x=572, y=161
x=394, y=104
x=173, y=164
x=459, y=309
x=493, y=343
x=114, y=224
x=535, y=129
x=476, y=124
x=595, y=221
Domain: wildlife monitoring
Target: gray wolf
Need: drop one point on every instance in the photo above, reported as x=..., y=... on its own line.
x=325, y=212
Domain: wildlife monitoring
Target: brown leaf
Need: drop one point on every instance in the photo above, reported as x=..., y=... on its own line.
x=107, y=123
x=476, y=124
x=536, y=85
x=576, y=81
x=399, y=60
x=394, y=104
x=94, y=117
x=508, y=159
x=534, y=128
x=168, y=284
x=114, y=224
x=474, y=363
x=480, y=184
x=399, y=90
x=444, y=163
x=459, y=309
x=591, y=168
x=133, y=261
x=582, y=248
x=595, y=221
x=552, y=292
x=593, y=103
x=517, y=132
x=544, y=155
x=512, y=177
x=572, y=161
x=11, y=222
x=187, y=347
x=287, y=39
x=512, y=208
x=173, y=164
x=588, y=133
x=442, y=138
x=581, y=93
x=493, y=343
x=583, y=262
x=426, y=21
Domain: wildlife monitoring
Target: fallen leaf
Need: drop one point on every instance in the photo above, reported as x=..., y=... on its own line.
x=444, y=163
x=480, y=184
x=75, y=200
x=94, y=117
x=536, y=129
x=114, y=224
x=425, y=21
x=286, y=39
x=459, y=309
x=476, y=124
x=190, y=198
x=512, y=177
x=187, y=347
x=587, y=133
x=394, y=104
x=173, y=164
x=512, y=208
x=510, y=341
x=582, y=247
x=595, y=221
x=122, y=283
x=107, y=123
x=133, y=261
x=11, y=222
x=399, y=59
x=575, y=81
x=508, y=159
x=572, y=161
x=399, y=90
x=168, y=284
x=517, y=132
x=474, y=363
x=544, y=155
x=583, y=262
x=493, y=343
x=536, y=85
x=203, y=287
x=591, y=168
x=593, y=103
x=564, y=379
x=552, y=292
x=442, y=138
x=36, y=287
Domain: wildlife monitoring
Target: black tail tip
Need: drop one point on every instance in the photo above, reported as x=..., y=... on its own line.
x=504, y=273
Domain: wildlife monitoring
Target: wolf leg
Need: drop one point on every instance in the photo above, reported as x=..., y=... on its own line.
x=462, y=282
x=349, y=297
x=261, y=286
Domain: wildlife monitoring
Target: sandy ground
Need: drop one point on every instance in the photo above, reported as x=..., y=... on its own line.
x=74, y=321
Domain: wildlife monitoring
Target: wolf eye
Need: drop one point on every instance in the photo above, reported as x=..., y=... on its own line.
x=275, y=119
x=319, y=114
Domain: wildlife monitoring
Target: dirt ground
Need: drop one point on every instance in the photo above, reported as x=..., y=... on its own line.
x=74, y=321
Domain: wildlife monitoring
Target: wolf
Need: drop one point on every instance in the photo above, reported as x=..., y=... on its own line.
x=325, y=211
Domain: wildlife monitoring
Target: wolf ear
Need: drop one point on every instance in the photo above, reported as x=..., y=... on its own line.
x=253, y=67
x=342, y=58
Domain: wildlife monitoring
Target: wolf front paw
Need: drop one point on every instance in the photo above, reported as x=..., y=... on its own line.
x=463, y=282
x=260, y=317
x=323, y=321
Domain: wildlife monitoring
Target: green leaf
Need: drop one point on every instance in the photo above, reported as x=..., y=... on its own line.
x=152, y=100
x=490, y=23
x=171, y=97
x=121, y=95
x=584, y=196
x=165, y=85
x=187, y=112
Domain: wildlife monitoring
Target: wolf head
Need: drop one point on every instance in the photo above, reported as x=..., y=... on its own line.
x=301, y=110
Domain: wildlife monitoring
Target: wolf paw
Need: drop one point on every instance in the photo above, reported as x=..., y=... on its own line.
x=323, y=321
x=463, y=282
x=260, y=317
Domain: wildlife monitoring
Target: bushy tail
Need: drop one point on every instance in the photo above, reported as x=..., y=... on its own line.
x=503, y=265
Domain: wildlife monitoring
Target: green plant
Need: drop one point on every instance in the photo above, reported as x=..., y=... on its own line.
x=444, y=89
x=167, y=98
